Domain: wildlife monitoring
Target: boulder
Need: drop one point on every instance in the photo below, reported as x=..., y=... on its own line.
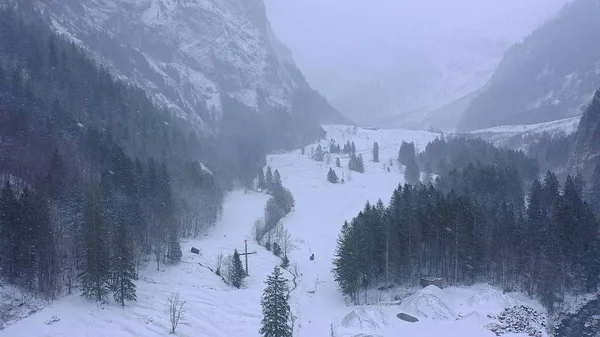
x=407, y=317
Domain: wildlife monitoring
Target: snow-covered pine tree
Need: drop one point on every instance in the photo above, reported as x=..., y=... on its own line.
x=96, y=268
x=337, y=162
x=269, y=179
x=236, y=270
x=174, y=253
x=332, y=177
x=275, y=307
x=407, y=153
x=277, y=183
x=123, y=269
x=319, y=154
x=261, y=183
x=360, y=164
x=412, y=174
x=376, y=152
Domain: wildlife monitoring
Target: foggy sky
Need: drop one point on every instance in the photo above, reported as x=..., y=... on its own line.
x=329, y=38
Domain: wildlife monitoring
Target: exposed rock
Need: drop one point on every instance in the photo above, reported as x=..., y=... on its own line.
x=518, y=319
x=187, y=54
x=407, y=317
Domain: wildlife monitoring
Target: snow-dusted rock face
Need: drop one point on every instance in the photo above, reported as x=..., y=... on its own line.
x=549, y=76
x=186, y=53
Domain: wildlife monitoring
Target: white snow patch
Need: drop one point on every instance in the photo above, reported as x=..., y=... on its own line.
x=360, y=322
x=427, y=304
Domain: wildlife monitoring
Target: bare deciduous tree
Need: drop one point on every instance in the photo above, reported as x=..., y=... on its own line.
x=283, y=239
x=175, y=310
x=220, y=259
x=258, y=231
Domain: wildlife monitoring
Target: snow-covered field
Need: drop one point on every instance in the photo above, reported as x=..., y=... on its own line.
x=214, y=309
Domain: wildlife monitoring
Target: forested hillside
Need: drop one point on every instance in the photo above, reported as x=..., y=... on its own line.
x=95, y=178
x=487, y=218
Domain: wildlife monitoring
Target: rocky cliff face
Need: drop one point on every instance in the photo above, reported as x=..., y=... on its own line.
x=188, y=54
x=551, y=75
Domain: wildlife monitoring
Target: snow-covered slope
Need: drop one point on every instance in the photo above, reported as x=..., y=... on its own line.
x=186, y=53
x=504, y=135
x=435, y=73
x=551, y=75
x=216, y=310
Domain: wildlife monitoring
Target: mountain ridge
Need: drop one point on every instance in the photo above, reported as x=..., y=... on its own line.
x=552, y=74
x=186, y=54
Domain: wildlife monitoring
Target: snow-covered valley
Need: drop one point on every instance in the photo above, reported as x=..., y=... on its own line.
x=214, y=309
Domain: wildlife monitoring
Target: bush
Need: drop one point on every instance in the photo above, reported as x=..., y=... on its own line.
x=285, y=262
x=276, y=249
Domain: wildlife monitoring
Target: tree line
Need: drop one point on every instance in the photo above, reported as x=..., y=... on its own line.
x=445, y=154
x=474, y=226
x=268, y=231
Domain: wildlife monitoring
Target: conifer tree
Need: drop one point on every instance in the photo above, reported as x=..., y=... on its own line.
x=337, y=162
x=332, y=177
x=333, y=147
x=376, y=152
x=407, y=153
x=261, y=182
x=360, y=164
x=236, y=270
x=269, y=179
x=174, y=253
x=411, y=173
x=123, y=268
x=277, y=183
x=346, y=263
x=44, y=241
x=96, y=268
x=10, y=220
x=275, y=307
x=319, y=154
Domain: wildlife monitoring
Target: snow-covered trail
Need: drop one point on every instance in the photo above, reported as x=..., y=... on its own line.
x=322, y=208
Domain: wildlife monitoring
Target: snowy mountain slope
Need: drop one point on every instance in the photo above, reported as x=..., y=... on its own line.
x=216, y=310
x=422, y=80
x=503, y=135
x=374, y=43
x=550, y=75
x=185, y=53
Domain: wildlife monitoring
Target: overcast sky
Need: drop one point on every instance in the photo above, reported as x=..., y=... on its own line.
x=333, y=36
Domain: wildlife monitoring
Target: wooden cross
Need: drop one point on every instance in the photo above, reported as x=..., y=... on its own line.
x=245, y=253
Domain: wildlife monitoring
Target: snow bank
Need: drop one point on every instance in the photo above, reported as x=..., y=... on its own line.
x=360, y=322
x=490, y=299
x=428, y=304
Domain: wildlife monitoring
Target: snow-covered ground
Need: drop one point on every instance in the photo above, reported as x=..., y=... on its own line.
x=503, y=135
x=214, y=309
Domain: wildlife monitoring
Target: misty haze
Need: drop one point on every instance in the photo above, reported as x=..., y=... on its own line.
x=299, y=168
